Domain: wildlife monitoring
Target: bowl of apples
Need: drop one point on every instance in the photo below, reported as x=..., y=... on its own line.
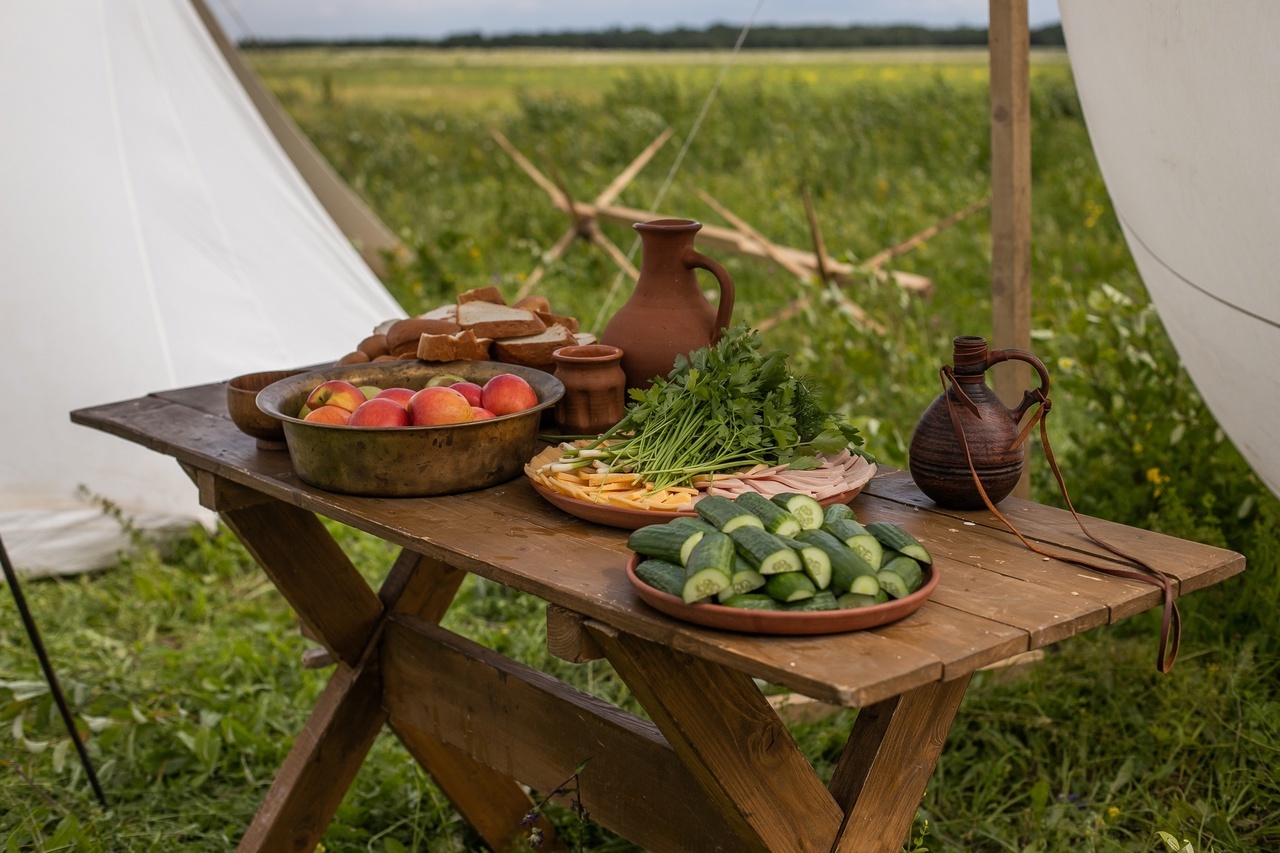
x=411, y=428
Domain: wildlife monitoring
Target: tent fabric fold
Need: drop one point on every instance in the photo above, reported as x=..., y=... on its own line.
x=153, y=235
x=1179, y=99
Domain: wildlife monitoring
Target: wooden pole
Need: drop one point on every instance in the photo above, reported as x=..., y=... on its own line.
x=1009, y=46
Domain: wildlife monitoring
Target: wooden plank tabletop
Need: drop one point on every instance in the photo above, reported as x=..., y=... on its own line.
x=995, y=598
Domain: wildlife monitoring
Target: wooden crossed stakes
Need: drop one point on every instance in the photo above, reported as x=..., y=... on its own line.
x=742, y=238
x=583, y=222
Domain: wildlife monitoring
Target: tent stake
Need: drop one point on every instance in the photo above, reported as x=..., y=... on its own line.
x=11, y=576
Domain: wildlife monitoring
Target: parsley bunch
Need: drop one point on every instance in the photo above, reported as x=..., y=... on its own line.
x=722, y=408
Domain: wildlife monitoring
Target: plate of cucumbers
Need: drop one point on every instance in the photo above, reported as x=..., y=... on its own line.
x=780, y=565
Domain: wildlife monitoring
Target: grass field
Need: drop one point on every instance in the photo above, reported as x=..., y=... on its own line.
x=184, y=665
x=481, y=81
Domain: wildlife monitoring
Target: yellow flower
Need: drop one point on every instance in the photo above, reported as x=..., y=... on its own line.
x=1113, y=813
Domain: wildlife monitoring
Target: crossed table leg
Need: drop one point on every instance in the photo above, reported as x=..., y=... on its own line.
x=716, y=770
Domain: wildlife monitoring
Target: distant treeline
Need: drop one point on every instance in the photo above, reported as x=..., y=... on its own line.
x=715, y=36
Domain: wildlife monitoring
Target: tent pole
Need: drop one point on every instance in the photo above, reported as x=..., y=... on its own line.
x=1009, y=45
x=29, y=623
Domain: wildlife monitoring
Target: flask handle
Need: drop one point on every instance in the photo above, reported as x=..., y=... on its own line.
x=1029, y=398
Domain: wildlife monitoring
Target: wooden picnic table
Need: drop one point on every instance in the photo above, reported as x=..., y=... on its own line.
x=716, y=769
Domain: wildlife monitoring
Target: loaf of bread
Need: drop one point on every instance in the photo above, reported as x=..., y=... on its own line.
x=354, y=357
x=374, y=346
x=489, y=320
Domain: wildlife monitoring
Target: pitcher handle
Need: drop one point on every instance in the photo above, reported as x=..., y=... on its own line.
x=1029, y=398
x=693, y=259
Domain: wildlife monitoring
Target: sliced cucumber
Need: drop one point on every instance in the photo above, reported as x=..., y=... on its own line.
x=764, y=552
x=892, y=583
x=820, y=600
x=662, y=575
x=893, y=537
x=703, y=584
x=751, y=601
x=663, y=541
x=907, y=569
x=722, y=512
x=776, y=519
x=790, y=586
x=817, y=565
x=838, y=512
x=854, y=599
x=858, y=538
x=806, y=509
x=689, y=522
x=743, y=580
x=846, y=564
x=865, y=585
x=713, y=550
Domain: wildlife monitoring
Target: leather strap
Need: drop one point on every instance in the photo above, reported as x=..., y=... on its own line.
x=1171, y=624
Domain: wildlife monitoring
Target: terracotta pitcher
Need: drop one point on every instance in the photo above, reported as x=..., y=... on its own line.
x=667, y=315
x=938, y=462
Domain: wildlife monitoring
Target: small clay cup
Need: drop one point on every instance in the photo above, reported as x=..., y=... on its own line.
x=242, y=395
x=595, y=388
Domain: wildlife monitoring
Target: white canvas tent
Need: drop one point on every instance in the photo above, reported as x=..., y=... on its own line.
x=1182, y=101
x=153, y=235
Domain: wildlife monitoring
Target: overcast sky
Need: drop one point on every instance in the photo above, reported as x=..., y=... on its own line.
x=324, y=19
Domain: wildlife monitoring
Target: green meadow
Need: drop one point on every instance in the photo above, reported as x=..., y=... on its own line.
x=183, y=663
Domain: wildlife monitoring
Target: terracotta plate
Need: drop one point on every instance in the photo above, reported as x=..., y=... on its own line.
x=780, y=622
x=632, y=519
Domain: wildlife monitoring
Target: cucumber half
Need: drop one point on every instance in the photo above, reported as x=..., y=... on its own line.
x=805, y=509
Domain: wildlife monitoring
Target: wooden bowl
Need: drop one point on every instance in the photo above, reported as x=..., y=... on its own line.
x=409, y=461
x=242, y=397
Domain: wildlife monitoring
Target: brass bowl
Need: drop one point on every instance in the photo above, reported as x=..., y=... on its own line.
x=242, y=395
x=409, y=461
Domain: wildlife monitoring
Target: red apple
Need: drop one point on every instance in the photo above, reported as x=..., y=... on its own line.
x=380, y=412
x=507, y=393
x=438, y=405
x=400, y=395
x=328, y=415
x=470, y=390
x=479, y=414
x=338, y=393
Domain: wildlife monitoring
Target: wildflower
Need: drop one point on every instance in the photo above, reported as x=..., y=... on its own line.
x=1113, y=813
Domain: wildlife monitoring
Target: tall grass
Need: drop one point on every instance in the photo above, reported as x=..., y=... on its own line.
x=186, y=666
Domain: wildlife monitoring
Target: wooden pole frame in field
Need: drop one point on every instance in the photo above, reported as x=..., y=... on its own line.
x=1009, y=46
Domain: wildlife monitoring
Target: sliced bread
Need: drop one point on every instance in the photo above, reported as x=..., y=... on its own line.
x=534, y=302
x=404, y=334
x=444, y=312
x=570, y=323
x=533, y=350
x=460, y=345
x=489, y=320
x=482, y=294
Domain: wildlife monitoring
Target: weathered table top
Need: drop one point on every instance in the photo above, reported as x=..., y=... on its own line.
x=995, y=598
